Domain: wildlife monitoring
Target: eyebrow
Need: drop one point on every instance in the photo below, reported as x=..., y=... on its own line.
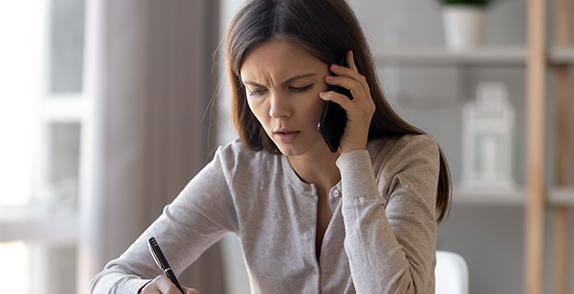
x=285, y=82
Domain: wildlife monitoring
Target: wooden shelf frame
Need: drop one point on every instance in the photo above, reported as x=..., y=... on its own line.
x=536, y=68
x=563, y=151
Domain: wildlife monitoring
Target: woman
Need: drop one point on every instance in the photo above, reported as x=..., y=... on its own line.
x=362, y=219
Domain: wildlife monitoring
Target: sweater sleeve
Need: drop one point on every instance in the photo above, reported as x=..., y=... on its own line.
x=391, y=231
x=201, y=214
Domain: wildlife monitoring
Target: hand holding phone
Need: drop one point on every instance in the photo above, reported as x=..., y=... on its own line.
x=333, y=117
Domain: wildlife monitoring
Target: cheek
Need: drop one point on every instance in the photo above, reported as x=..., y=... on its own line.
x=257, y=109
x=314, y=107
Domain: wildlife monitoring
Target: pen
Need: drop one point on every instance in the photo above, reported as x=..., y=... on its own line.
x=162, y=262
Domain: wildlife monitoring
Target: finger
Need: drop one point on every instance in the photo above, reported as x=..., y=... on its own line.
x=351, y=61
x=346, y=71
x=354, y=111
x=337, y=98
x=187, y=290
x=356, y=87
x=165, y=286
x=351, y=73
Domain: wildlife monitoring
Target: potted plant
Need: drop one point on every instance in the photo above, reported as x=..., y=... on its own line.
x=464, y=22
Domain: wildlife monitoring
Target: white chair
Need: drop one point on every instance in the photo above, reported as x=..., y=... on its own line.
x=451, y=273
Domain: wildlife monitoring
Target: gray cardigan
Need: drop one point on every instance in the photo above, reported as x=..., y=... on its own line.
x=381, y=238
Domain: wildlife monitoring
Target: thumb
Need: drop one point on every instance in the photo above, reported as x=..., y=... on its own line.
x=187, y=290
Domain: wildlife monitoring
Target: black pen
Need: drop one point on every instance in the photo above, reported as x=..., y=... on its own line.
x=162, y=262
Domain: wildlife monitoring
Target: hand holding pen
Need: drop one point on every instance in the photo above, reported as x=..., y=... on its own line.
x=167, y=284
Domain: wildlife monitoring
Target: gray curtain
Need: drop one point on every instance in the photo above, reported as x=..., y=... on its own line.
x=148, y=82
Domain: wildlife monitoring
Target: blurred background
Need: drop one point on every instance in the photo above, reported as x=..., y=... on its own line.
x=108, y=108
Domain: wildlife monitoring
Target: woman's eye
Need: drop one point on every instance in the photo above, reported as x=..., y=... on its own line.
x=302, y=89
x=255, y=93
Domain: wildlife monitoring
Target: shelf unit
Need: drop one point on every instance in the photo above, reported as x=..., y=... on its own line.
x=438, y=56
x=538, y=61
x=557, y=196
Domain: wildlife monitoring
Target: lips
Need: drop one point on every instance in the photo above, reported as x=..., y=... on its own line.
x=286, y=136
x=286, y=132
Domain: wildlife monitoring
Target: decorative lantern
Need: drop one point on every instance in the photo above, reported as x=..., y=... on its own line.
x=487, y=140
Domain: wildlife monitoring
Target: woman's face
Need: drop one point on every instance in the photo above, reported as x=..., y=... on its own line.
x=283, y=82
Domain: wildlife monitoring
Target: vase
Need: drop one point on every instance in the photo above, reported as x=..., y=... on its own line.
x=464, y=26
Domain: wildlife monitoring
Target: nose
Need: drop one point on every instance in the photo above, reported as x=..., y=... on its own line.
x=280, y=107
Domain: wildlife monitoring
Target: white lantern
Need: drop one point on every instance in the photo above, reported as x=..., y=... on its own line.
x=487, y=140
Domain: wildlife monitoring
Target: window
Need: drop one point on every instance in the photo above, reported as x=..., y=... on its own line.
x=41, y=110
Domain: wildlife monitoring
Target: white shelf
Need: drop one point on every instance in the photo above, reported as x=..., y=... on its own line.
x=561, y=55
x=563, y=196
x=556, y=197
x=487, y=197
x=420, y=56
x=437, y=56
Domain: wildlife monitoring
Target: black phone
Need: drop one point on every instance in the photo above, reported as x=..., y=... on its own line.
x=333, y=117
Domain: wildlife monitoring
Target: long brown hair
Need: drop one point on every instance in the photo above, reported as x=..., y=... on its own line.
x=327, y=29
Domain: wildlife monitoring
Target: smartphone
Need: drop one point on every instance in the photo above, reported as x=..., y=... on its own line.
x=333, y=117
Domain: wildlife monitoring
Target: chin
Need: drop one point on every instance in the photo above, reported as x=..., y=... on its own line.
x=289, y=151
x=300, y=149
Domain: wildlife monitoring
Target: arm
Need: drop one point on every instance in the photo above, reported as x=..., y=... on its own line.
x=390, y=239
x=201, y=214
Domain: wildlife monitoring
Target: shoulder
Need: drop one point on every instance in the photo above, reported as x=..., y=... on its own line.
x=234, y=150
x=392, y=153
x=402, y=145
x=396, y=144
x=237, y=155
x=411, y=160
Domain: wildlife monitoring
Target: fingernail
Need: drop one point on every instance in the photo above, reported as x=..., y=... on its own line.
x=334, y=66
x=328, y=78
x=322, y=94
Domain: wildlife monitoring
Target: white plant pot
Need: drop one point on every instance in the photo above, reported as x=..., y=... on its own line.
x=464, y=26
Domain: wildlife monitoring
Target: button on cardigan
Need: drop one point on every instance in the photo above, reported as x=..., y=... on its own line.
x=381, y=238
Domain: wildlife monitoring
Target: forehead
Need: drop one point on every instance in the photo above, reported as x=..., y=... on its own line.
x=279, y=59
